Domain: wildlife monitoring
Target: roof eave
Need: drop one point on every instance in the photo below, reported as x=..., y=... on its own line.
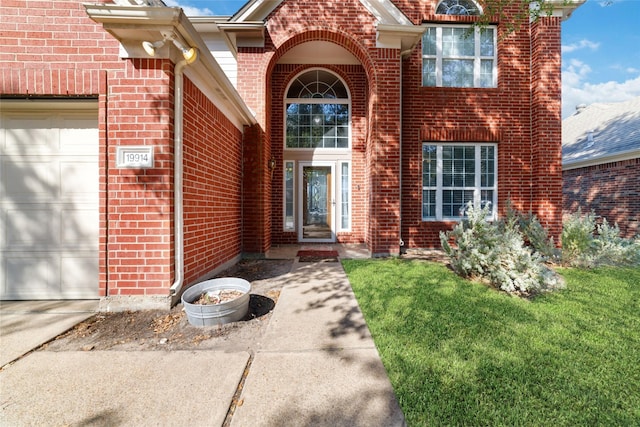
x=617, y=157
x=131, y=25
x=563, y=8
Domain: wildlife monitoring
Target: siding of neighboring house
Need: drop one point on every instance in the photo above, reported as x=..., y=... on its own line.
x=611, y=190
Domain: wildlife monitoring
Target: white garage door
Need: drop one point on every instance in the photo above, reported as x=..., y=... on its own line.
x=48, y=200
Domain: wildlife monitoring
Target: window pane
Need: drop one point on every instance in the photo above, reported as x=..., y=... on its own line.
x=315, y=126
x=486, y=198
x=345, y=216
x=486, y=73
x=429, y=41
x=428, y=203
x=457, y=7
x=457, y=41
x=429, y=165
x=458, y=166
x=288, y=201
x=486, y=42
x=487, y=165
x=428, y=72
x=457, y=72
x=454, y=202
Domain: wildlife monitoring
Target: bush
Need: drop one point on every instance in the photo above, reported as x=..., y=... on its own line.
x=587, y=244
x=496, y=252
x=534, y=234
x=578, y=246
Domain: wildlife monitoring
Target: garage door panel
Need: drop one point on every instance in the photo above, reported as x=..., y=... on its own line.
x=29, y=180
x=79, y=228
x=30, y=133
x=76, y=270
x=75, y=133
x=79, y=179
x=31, y=227
x=33, y=277
x=49, y=197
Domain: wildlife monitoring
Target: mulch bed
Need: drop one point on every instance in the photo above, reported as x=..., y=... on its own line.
x=317, y=256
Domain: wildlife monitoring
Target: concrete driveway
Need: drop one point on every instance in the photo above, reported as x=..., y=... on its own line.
x=25, y=325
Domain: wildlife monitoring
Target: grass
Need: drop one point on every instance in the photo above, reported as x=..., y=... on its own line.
x=460, y=353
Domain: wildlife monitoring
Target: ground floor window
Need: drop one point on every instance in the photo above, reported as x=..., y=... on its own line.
x=454, y=174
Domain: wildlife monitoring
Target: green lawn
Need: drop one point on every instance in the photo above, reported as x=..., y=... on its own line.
x=459, y=353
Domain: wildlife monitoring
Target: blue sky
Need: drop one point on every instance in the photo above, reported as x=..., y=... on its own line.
x=600, y=48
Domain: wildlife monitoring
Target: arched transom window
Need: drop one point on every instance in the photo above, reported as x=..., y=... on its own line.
x=317, y=111
x=458, y=7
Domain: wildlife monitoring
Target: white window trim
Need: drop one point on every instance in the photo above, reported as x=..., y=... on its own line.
x=477, y=58
x=477, y=189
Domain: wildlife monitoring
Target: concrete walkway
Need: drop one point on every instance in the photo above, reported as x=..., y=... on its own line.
x=317, y=366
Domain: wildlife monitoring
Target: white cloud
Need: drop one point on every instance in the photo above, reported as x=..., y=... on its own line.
x=189, y=10
x=577, y=90
x=582, y=44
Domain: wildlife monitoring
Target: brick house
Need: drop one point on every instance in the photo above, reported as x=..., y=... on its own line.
x=142, y=150
x=601, y=163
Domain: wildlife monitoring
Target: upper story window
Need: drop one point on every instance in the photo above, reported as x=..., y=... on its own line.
x=459, y=55
x=317, y=111
x=458, y=7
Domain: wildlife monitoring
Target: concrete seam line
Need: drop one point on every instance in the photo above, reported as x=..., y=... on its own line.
x=235, y=400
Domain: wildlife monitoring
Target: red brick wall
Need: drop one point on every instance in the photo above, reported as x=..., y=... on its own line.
x=212, y=182
x=139, y=201
x=501, y=115
x=547, y=124
x=349, y=25
x=611, y=190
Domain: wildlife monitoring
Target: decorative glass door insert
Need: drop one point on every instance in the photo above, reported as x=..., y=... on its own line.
x=317, y=203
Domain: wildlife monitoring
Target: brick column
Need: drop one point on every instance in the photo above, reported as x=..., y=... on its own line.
x=384, y=157
x=546, y=83
x=140, y=201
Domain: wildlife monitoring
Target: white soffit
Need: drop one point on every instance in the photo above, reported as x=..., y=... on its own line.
x=318, y=52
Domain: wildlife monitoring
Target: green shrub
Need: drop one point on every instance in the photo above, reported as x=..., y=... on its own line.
x=496, y=252
x=578, y=246
x=587, y=244
x=534, y=234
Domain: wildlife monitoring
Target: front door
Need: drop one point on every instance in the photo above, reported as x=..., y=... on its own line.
x=317, y=203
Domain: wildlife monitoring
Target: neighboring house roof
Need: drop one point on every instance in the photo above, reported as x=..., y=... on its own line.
x=601, y=133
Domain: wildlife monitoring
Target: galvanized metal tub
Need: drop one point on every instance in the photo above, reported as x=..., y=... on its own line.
x=216, y=314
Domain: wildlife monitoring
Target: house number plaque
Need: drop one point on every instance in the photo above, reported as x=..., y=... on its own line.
x=134, y=157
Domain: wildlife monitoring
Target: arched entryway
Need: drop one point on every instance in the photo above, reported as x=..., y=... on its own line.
x=317, y=156
x=318, y=136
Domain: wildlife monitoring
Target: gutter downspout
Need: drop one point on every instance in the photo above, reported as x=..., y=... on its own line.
x=178, y=211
